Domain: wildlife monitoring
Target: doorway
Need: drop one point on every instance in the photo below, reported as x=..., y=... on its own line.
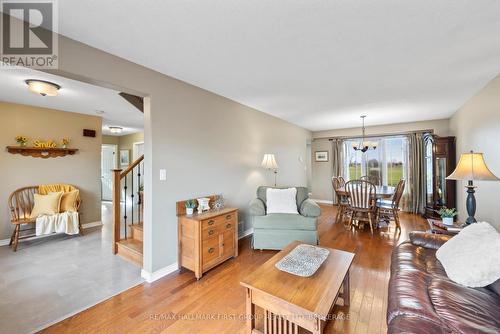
x=108, y=163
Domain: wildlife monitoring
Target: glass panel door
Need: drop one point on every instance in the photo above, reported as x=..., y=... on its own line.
x=441, y=180
x=429, y=173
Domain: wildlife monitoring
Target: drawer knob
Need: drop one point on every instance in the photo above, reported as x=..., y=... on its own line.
x=228, y=217
x=210, y=232
x=211, y=250
x=211, y=222
x=228, y=226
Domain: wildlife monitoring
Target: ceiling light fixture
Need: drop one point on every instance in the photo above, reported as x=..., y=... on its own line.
x=44, y=88
x=364, y=145
x=115, y=129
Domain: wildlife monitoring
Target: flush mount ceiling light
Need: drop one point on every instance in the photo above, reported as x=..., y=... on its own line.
x=115, y=129
x=44, y=88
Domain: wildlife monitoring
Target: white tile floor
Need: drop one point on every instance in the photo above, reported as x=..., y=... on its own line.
x=48, y=279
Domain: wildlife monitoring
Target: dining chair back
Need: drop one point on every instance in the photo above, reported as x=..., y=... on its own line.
x=389, y=210
x=371, y=178
x=400, y=188
x=337, y=183
x=342, y=181
x=361, y=195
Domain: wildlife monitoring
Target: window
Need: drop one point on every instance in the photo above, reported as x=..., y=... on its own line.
x=384, y=166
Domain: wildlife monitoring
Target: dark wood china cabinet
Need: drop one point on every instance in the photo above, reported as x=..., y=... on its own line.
x=440, y=161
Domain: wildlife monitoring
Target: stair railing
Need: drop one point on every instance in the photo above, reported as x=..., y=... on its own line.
x=126, y=184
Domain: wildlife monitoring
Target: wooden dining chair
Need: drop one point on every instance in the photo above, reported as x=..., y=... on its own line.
x=371, y=178
x=389, y=209
x=342, y=181
x=342, y=202
x=362, y=195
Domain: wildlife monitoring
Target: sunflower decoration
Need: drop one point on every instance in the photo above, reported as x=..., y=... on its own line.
x=22, y=140
x=65, y=142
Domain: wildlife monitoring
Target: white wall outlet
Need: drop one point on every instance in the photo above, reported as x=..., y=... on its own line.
x=163, y=174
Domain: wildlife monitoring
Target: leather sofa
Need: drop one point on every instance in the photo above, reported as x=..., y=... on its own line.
x=422, y=299
x=277, y=230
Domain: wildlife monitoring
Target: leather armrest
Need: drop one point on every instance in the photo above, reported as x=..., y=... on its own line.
x=428, y=240
x=257, y=207
x=309, y=208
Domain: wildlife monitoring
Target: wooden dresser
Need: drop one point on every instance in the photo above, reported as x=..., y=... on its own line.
x=207, y=239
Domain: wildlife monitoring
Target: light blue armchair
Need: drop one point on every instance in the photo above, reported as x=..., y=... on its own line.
x=277, y=230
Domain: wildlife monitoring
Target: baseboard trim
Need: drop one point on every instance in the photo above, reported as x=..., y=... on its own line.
x=322, y=201
x=156, y=275
x=245, y=233
x=5, y=242
x=93, y=224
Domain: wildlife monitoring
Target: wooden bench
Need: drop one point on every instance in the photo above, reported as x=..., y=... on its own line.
x=21, y=203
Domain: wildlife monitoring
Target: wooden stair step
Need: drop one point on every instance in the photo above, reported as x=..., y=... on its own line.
x=131, y=250
x=136, y=231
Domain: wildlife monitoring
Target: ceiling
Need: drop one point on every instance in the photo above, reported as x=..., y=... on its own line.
x=318, y=64
x=74, y=96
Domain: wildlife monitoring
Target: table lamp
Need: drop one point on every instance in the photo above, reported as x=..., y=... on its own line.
x=472, y=167
x=269, y=163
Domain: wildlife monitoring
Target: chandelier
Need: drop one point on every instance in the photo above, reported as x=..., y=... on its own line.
x=364, y=145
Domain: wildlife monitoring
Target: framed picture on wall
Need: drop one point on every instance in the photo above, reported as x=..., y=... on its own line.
x=124, y=157
x=321, y=156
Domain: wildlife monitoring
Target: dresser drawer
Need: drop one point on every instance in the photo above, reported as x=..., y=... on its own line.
x=210, y=250
x=211, y=223
x=219, y=220
x=229, y=217
x=211, y=232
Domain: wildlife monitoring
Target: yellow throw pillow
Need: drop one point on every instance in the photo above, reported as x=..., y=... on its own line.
x=46, y=204
x=68, y=201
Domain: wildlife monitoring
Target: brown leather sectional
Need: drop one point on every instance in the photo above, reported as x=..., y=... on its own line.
x=422, y=299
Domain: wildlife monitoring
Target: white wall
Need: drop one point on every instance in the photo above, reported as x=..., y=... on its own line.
x=207, y=143
x=477, y=127
x=322, y=171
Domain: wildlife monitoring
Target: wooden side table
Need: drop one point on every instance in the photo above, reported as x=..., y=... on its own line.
x=440, y=228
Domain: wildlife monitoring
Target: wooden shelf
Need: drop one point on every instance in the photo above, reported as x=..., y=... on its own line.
x=43, y=153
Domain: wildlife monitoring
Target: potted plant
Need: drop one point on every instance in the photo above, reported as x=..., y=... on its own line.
x=447, y=215
x=190, y=205
x=22, y=140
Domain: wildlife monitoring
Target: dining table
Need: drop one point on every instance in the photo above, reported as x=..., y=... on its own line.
x=382, y=192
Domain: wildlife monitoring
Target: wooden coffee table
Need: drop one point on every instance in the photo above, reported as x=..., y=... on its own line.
x=291, y=302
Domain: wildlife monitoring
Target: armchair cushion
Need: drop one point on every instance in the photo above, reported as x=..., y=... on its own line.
x=302, y=194
x=309, y=208
x=282, y=200
x=285, y=221
x=257, y=207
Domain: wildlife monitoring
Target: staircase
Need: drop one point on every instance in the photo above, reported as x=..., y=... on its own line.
x=128, y=210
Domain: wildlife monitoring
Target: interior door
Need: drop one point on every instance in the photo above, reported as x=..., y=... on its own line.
x=137, y=151
x=108, y=162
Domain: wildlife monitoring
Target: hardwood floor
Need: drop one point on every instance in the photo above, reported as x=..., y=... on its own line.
x=216, y=304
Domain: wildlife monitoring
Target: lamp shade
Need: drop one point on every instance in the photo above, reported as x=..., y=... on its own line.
x=269, y=162
x=472, y=167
